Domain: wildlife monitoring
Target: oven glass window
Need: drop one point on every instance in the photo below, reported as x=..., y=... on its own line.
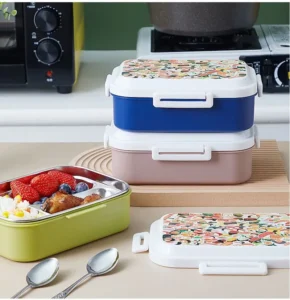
x=7, y=26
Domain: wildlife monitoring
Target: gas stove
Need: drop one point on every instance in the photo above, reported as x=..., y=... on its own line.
x=244, y=40
x=264, y=47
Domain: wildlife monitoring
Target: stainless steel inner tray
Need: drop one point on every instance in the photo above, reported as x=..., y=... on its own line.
x=106, y=186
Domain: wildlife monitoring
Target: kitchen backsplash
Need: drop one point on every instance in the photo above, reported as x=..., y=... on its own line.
x=114, y=26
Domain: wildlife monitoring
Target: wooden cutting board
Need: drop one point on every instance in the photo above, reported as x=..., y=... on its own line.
x=268, y=186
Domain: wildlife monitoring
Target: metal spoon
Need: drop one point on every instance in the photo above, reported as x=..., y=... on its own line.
x=40, y=275
x=98, y=265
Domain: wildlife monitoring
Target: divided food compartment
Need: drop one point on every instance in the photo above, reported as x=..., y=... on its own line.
x=35, y=239
x=106, y=187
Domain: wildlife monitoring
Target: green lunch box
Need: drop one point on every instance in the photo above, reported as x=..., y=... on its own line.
x=31, y=240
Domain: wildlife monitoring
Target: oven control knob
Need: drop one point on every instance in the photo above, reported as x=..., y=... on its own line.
x=48, y=51
x=46, y=20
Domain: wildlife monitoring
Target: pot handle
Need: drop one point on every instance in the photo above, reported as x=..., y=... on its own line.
x=233, y=268
x=189, y=153
x=170, y=100
x=137, y=245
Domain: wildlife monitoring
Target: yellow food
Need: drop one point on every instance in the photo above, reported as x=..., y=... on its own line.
x=15, y=209
x=5, y=214
x=18, y=198
x=19, y=213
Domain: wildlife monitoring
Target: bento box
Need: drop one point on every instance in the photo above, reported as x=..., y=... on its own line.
x=183, y=95
x=219, y=243
x=50, y=233
x=181, y=158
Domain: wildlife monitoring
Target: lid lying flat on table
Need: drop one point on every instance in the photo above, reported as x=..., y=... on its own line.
x=221, y=78
x=233, y=141
x=220, y=243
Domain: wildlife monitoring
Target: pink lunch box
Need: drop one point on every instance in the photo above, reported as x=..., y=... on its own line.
x=181, y=158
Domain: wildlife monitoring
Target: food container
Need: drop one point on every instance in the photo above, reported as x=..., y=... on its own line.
x=183, y=95
x=219, y=243
x=181, y=158
x=31, y=240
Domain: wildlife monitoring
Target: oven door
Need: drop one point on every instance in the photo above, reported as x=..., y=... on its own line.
x=12, y=50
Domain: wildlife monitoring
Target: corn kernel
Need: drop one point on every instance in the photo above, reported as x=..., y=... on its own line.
x=5, y=214
x=19, y=213
x=18, y=198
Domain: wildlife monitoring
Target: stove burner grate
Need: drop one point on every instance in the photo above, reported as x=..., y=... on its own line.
x=243, y=40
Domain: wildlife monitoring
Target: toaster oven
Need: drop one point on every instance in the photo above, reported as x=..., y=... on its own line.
x=40, y=44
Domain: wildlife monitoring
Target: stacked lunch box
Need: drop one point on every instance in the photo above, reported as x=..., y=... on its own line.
x=182, y=121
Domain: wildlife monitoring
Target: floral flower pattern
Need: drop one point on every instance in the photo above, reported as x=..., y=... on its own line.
x=184, y=69
x=227, y=229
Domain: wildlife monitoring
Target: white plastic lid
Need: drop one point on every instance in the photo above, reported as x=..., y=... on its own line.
x=175, y=240
x=144, y=141
x=183, y=79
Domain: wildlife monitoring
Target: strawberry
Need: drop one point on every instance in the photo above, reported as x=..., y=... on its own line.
x=25, y=191
x=64, y=178
x=4, y=187
x=45, y=184
x=26, y=179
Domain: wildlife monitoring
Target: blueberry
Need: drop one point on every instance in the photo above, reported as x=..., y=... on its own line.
x=43, y=199
x=81, y=187
x=37, y=202
x=73, y=191
x=65, y=188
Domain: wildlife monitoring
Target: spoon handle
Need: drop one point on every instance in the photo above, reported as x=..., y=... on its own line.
x=68, y=290
x=21, y=292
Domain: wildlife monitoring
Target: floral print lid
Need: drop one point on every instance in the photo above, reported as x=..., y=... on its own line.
x=184, y=69
x=227, y=229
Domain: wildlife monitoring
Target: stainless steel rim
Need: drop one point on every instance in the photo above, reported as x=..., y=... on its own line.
x=109, y=179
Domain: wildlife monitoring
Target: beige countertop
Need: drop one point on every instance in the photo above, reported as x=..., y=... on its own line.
x=135, y=276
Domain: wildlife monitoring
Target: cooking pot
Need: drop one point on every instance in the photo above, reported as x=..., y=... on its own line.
x=203, y=19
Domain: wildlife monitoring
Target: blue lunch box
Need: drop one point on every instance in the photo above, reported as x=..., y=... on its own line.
x=183, y=95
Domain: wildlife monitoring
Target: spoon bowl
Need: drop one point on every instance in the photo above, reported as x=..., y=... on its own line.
x=100, y=264
x=43, y=273
x=40, y=275
x=103, y=262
